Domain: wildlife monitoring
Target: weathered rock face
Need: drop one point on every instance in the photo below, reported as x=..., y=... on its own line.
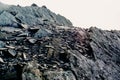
x=105, y=46
x=53, y=52
x=101, y=62
x=31, y=15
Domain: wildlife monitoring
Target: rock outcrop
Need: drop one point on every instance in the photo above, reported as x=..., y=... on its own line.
x=32, y=15
x=31, y=50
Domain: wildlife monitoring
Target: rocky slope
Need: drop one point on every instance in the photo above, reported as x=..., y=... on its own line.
x=49, y=50
x=32, y=15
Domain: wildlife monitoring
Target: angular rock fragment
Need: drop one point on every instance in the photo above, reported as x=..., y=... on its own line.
x=32, y=40
x=1, y=60
x=12, y=52
x=43, y=33
x=49, y=46
x=26, y=48
x=10, y=47
x=10, y=29
x=24, y=26
x=2, y=44
x=23, y=35
x=34, y=28
x=24, y=56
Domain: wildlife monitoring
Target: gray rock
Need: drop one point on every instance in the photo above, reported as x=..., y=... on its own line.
x=31, y=72
x=34, y=5
x=1, y=60
x=106, y=47
x=56, y=52
x=32, y=40
x=24, y=56
x=34, y=28
x=10, y=47
x=2, y=44
x=43, y=33
x=108, y=42
x=12, y=52
x=30, y=15
x=23, y=34
x=6, y=19
x=24, y=26
x=30, y=76
x=59, y=75
x=10, y=29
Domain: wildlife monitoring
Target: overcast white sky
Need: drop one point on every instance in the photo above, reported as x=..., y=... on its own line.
x=104, y=14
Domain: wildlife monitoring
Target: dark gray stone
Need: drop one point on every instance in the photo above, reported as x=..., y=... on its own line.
x=2, y=44
x=106, y=47
x=43, y=33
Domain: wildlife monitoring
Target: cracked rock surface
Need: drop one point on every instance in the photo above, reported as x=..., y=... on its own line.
x=54, y=50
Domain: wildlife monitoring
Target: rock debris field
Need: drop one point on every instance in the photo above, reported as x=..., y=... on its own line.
x=37, y=44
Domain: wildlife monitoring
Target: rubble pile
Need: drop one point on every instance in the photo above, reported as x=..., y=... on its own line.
x=53, y=52
x=33, y=15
